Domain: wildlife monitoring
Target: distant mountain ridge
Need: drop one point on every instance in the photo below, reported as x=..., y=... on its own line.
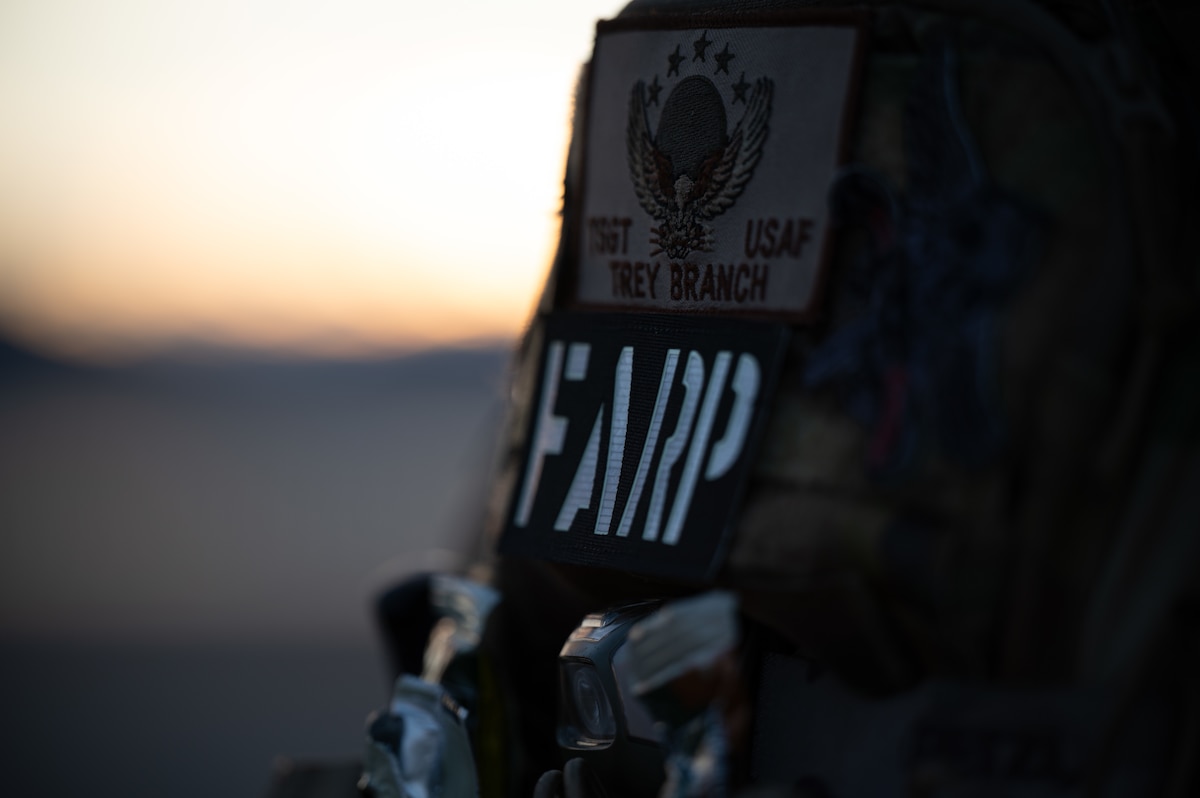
x=454, y=367
x=17, y=361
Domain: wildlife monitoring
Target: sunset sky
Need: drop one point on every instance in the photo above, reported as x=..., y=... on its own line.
x=319, y=176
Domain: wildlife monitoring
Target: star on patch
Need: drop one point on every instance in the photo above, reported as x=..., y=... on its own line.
x=653, y=89
x=723, y=59
x=676, y=58
x=701, y=45
x=739, y=90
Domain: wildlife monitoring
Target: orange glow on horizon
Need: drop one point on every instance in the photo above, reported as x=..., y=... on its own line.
x=325, y=178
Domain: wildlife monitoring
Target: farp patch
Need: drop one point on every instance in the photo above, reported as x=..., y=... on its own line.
x=709, y=154
x=643, y=431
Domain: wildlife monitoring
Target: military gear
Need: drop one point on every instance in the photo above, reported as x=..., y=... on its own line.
x=676, y=656
x=881, y=316
x=600, y=721
x=418, y=746
x=683, y=635
x=970, y=529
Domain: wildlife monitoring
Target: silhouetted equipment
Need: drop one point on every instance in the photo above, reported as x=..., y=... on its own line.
x=881, y=318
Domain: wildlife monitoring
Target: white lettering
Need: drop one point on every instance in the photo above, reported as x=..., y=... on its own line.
x=746, y=379
x=579, y=495
x=691, y=469
x=693, y=381
x=656, y=420
x=692, y=440
x=549, y=434
x=577, y=361
x=616, y=440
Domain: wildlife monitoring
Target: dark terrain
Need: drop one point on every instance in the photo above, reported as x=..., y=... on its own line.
x=189, y=547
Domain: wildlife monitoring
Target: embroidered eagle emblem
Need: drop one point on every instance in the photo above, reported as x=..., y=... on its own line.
x=692, y=170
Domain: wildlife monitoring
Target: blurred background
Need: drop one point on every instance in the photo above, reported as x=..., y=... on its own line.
x=261, y=263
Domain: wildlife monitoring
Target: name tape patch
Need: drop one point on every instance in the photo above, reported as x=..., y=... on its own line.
x=709, y=156
x=642, y=434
